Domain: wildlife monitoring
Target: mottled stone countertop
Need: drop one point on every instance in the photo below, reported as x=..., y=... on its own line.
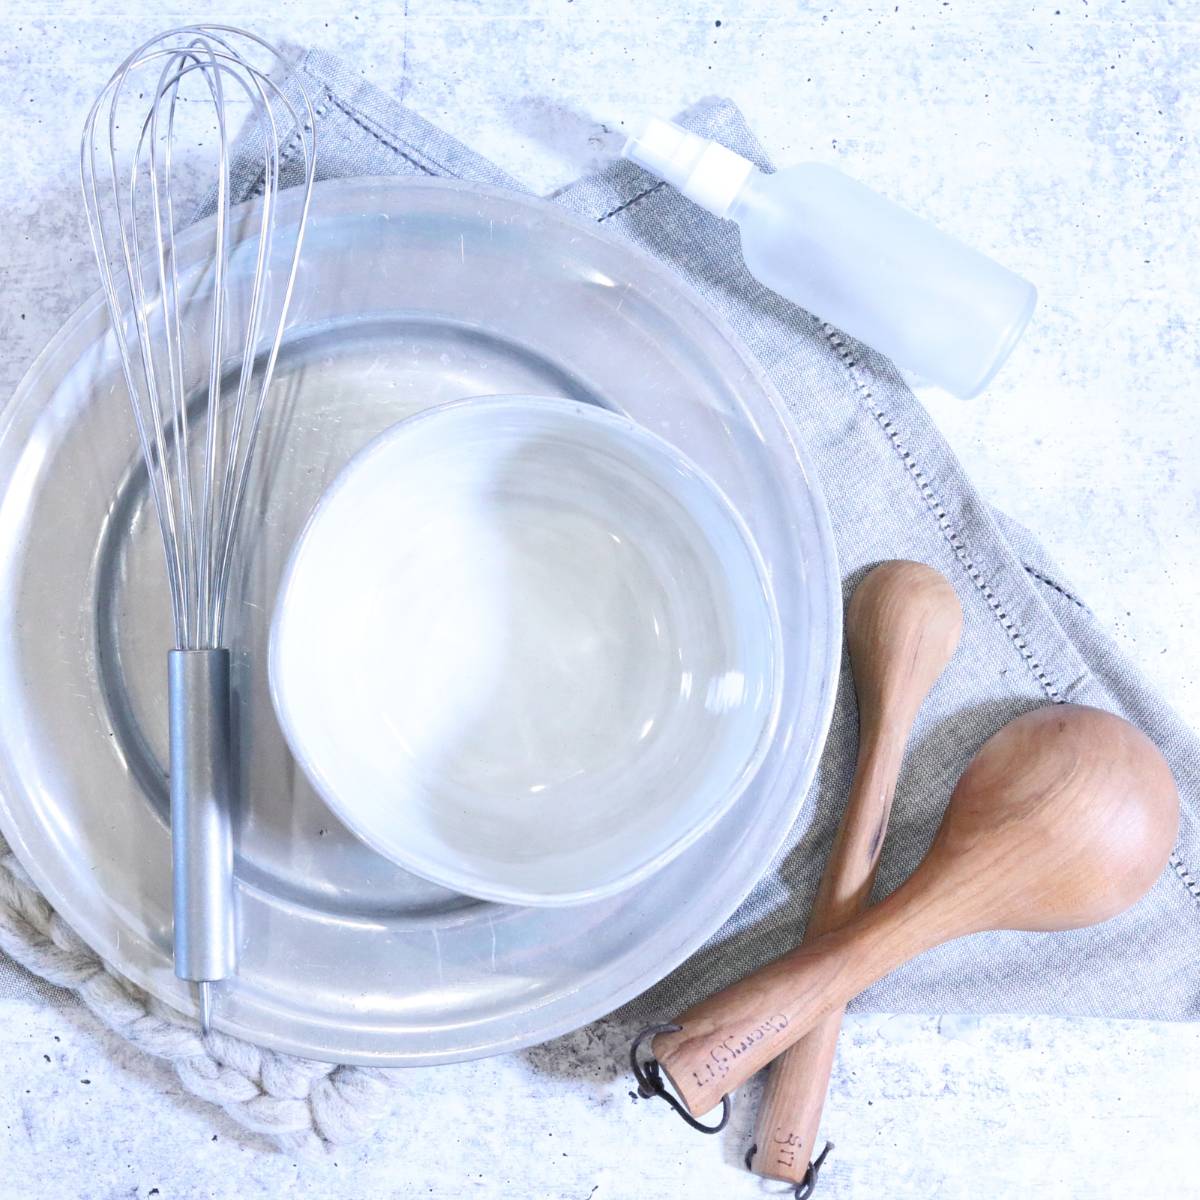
x=1059, y=135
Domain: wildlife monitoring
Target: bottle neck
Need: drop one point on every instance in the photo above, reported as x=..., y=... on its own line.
x=718, y=180
x=744, y=201
x=706, y=172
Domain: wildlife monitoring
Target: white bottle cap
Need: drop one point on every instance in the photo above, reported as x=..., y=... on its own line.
x=703, y=170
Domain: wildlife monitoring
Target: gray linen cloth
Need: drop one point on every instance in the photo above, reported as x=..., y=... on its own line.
x=895, y=491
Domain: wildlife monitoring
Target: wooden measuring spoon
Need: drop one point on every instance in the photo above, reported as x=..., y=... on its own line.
x=902, y=627
x=1064, y=818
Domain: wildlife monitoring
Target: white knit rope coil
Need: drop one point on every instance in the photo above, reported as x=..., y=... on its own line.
x=301, y=1104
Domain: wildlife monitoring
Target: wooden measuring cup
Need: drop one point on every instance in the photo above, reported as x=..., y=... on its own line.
x=1063, y=819
x=902, y=627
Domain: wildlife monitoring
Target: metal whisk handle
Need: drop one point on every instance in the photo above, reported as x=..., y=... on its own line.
x=201, y=795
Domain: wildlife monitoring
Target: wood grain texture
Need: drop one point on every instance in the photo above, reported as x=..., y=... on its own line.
x=902, y=627
x=1063, y=819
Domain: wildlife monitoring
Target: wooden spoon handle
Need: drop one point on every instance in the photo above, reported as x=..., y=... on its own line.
x=792, y=1103
x=902, y=627
x=725, y=1039
x=795, y=1094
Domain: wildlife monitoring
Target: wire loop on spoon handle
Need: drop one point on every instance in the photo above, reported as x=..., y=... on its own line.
x=805, y=1188
x=650, y=1082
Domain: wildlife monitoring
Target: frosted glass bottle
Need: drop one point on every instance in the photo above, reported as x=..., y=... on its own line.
x=854, y=259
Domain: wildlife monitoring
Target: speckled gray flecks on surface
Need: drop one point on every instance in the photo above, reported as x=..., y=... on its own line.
x=1059, y=136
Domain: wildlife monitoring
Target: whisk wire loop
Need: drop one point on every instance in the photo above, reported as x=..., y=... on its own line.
x=197, y=480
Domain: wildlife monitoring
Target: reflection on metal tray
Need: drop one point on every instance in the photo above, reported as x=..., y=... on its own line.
x=411, y=294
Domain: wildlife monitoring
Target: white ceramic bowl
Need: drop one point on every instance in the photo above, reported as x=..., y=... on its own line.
x=525, y=649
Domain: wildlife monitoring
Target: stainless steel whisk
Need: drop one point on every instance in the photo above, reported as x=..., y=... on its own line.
x=198, y=350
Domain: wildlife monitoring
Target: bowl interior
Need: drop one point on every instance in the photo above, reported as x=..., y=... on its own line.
x=526, y=649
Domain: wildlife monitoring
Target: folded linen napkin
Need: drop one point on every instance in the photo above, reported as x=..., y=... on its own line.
x=895, y=491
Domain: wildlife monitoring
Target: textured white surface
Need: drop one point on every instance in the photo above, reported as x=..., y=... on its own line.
x=1058, y=135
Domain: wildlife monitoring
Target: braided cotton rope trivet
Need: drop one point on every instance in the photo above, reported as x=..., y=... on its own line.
x=300, y=1103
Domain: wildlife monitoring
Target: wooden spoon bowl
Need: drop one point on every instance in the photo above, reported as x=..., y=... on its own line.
x=1064, y=818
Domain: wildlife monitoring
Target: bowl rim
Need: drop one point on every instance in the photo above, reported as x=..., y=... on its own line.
x=439, y=872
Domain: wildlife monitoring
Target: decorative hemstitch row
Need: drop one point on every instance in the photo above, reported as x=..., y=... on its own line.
x=612, y=212
x=1062, y=591
x=1188, y=882
x=293, y=144
x=838, y=343
x=938, y=509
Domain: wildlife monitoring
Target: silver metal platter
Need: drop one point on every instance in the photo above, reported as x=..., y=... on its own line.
x=410, y=294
